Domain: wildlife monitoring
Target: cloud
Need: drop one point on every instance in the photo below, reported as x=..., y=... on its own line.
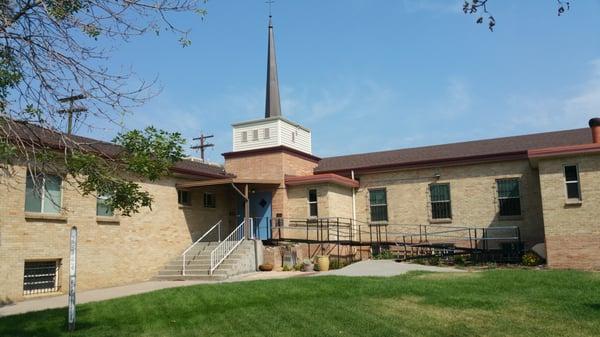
x=572, y=109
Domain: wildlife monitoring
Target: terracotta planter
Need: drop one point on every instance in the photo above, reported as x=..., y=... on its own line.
x=265, y=267
x=323, y=262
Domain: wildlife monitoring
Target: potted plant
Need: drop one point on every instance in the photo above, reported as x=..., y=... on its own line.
x=307, y=265
x=323, y=262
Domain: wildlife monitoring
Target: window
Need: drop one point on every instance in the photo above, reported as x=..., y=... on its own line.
x=102, y=208
x=378, y=204
x=267, y=133
x=244, y=136
x=40, y=277
x=572, y=182
x=441, y=207
x=293, y=137
x=255, y=134
x=210, y=200
x=43, y=194
x=184, y=198
x=313, y=207
x=509, y=197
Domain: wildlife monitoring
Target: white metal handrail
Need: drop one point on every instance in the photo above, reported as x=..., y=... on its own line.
x=222, y=251
x=217, y=225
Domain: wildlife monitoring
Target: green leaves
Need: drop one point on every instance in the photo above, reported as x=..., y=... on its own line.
x=95, y=177
x=151, y=152
x=61, y=9
x=10, y=73
x=147, y=154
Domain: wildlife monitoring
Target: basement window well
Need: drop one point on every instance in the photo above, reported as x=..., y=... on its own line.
x=41, y=277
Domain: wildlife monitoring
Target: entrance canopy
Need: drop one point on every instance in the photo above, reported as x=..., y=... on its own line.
x=255, y=202
x=228, y=181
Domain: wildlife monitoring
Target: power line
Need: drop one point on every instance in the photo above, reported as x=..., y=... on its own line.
x=72, y=109
x=203, y=144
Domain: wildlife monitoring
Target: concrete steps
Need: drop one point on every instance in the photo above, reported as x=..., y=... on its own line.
x=198, y=263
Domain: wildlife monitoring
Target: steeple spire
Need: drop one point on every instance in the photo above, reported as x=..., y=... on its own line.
x=273, y=103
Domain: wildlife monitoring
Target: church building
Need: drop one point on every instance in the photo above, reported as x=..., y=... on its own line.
x=536, y=191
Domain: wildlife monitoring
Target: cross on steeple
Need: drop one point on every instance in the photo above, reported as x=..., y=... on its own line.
x=270, y=2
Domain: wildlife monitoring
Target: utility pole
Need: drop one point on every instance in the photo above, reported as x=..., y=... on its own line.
x=72, y=109
x=203, y=144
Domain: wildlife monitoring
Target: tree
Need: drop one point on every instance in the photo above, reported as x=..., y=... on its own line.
x=479, y=8
x=50, y=49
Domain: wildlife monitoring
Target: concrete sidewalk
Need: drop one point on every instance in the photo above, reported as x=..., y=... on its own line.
x=384, y=268
x=363, y=268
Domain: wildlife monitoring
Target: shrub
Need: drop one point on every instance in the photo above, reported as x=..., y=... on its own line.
x=384, y=255
x=434, y=260
x=459, y=260
x=336, y=264
x=531, y=259
x=286, y=268
x=298, y=266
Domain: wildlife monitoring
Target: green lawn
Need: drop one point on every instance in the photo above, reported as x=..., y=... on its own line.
x=491, y=303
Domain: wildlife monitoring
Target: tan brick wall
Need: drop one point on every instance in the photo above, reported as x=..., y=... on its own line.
x=572, y=231
x=332, y=200
x=473, y=195
x=109, y=254
x=271, y=166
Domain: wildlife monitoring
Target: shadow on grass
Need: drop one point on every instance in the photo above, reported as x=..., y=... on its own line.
x=47, y=323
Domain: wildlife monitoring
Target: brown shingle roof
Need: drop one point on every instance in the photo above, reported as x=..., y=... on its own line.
x=34, y=134
x=439, y=154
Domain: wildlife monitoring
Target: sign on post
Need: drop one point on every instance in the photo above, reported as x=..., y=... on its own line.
x=72, y=278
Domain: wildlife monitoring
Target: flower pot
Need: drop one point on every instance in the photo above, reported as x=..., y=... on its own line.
x=323, y=262
x=265, y=267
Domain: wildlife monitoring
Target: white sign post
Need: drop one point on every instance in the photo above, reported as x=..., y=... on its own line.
x=72, y=278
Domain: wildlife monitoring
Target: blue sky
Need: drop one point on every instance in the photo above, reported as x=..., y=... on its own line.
x=374, y=75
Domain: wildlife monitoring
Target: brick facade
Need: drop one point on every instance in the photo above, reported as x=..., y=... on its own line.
x=572, y=229
x=110, y=253
x=474, y=198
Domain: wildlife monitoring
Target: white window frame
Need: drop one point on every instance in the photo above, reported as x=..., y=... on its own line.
x=43, y=193
x=267, y=133
x=244, y=136
x=54, y=289
x=567, y=182
x=102, y=197
x=316, y=202
x=255, y=135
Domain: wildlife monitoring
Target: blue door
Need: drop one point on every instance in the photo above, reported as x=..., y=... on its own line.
x=260, y=212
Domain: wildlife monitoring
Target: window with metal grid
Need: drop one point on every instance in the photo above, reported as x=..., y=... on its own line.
x=184, y=198
x=40, y=277
x=509, y=197
x=572, y=182
x=210, y=200
x=441, y=207
x=378, y=204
